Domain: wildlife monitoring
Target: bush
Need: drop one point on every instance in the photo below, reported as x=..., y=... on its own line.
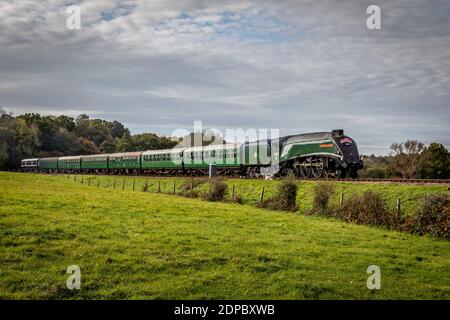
x=237, y=199
x=285, y=199
x=190, y=184
x=217, y=190
x=369, y=208
x=322, y=194
x=432, y=217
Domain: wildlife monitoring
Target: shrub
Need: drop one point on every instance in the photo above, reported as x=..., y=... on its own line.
x=322, y=194
x=285, y=199
x=217, y=190
x=190, y=184
x=237, y=199
x=432, y=217
x=369, y=208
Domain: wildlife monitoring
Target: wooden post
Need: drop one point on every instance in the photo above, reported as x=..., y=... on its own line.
x=232, y=193
x=114, y=183
x=398, y=211
x=75, y=179
x=261, y=197
x=89, y=182
x=192, y=186
x=123, y=183
x=341, y=199
x=174, y=186
x=134, y=183
x=98, y=183
x=82, y=179
x=159, y=186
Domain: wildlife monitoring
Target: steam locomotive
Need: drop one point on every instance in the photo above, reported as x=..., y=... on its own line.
x=309, y=155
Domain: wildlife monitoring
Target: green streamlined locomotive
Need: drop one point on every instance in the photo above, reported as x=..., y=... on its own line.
x=310, y=155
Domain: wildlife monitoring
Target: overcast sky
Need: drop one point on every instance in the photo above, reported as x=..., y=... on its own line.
x=299, y=65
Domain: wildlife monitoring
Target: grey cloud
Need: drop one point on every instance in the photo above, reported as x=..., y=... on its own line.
x=157, y=66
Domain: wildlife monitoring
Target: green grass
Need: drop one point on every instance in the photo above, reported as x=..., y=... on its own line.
x=136, y=245
x=250, y=189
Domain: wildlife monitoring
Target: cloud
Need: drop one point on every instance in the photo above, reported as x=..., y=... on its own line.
x=295, y=65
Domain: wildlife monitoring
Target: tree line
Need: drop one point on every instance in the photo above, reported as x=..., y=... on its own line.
x=32, y=135
x=410, y=160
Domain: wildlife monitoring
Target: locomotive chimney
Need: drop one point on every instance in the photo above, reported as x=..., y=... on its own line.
x=338, y=133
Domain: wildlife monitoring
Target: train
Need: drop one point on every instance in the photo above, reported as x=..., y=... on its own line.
x=308, y=155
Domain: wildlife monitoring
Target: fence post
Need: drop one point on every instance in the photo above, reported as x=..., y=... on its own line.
x=159, y=186
x=209, y=189
x=89, y=182
x=174, y=186
x=134, y=183
x=398, y=208
x=146, y=185
x=261, y=197
x=123, y=183
x=341, y=199
x=232, y=193
x=82, y=179
x=75, y=179
x=98, y=183
x=192, y=186
x=114, y=183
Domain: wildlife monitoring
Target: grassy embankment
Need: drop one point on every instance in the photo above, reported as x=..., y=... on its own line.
x=147, y=245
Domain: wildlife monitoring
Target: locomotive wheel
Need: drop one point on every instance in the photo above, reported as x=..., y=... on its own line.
x=317, y=171
x=305, y=172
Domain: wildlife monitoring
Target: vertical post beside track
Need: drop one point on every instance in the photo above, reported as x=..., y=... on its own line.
x=398, y=208
x=261, y=197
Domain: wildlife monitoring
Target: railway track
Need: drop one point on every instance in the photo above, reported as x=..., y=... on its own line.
x=395, y=180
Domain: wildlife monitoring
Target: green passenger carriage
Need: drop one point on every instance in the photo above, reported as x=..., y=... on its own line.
x=48, y=164
x=125, y=161
x=162, y=159
x=69, y=163
x=95, y=162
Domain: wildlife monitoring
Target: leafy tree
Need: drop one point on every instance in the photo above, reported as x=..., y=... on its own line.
x=435, y=162
x=406, y=159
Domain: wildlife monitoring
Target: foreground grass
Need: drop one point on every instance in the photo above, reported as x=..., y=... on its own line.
x=133, y=245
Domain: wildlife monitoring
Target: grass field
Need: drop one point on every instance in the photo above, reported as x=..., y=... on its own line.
x=156, y=246
x=250, y=189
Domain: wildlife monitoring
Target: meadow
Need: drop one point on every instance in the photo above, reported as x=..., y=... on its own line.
x=148, y=245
